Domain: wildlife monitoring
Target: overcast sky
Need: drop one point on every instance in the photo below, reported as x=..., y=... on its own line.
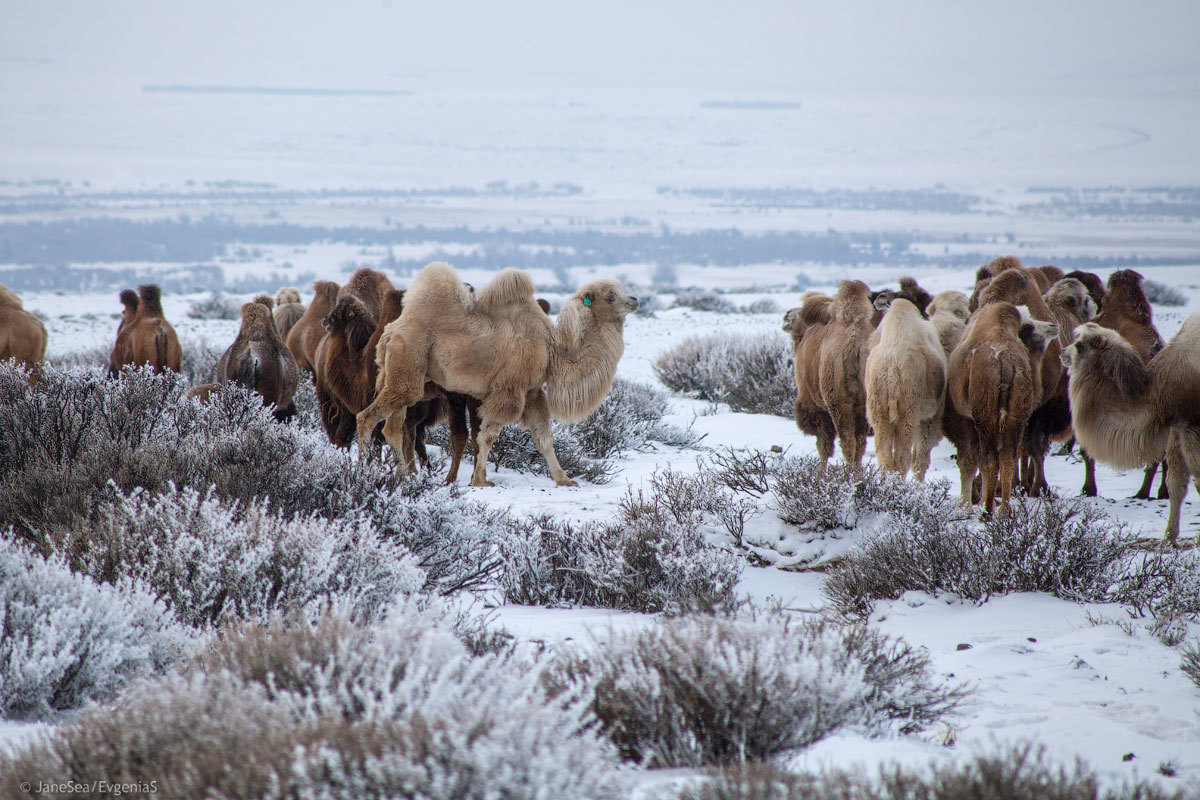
x=772, y=43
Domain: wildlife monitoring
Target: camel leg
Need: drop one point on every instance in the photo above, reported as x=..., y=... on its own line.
x=457, y=414
x=488, y=432
x=845, y=427
x=885, y=447
x=1182, y=464
x=1038, y=485
x=1007, y=463
x=1143, y=493
x=929, y=434
x=1089, y=474
x=861, y=432
x=826, y=432
x=1067, y=448
x=332, y=417
x=1163, y=492
x=398, y=436
x=537, y=419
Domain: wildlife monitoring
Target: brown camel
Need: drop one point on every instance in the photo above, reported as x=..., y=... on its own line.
x=994, y=382
x=259, y=360
x=815, y=311
x=147, y=338
x=498, y=346
x=905, y=382
x=829, y=375
x=984, y=275
x=22, y=335
x=1127, y=412
x=948, y=313
x=305, y=336
x=288, y=310
x=1127, y=311
x=1051, y=416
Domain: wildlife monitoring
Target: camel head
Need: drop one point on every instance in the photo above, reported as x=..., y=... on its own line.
x=1092, y=340
x=288, y=294
x=1035, y=333
x=606, y=300
x=1095, y=286
x=1097, y=349
x=790, y=319
x=1072, y=296
x=949, y=302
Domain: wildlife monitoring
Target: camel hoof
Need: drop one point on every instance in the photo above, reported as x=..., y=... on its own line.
x=484, y=482
x=567, y=482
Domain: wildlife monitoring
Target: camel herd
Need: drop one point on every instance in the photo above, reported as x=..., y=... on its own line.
x=1031, y=357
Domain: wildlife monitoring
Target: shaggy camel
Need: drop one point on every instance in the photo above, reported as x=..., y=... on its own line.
x=22, y=335
x=830, y=399
x=1127, y=311
x=498, y=346
x=984, y=275
x=994, y=382
x=1127, y=412
x=288, y=310
x=306, y=334
x=147, y=337
x=948, y=313
x=259, y=360
x=1051, y=416
x=815, y=311
x=909, y=290
x=905, y=382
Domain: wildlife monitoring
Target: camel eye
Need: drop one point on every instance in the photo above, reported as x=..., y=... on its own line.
x=612, y=297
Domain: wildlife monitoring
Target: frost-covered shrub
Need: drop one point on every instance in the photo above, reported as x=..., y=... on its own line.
x=697, y=502
x=94, y=357
x=400, y=710
x=1189, y=662
x=217, y=305
x=764, y=306
x=1165, y=585
x=1020, y=772
x=649, y=304
x=64, y=639
x=750, y=373
x=1069, y=550
x=703, y=300
x=209, y=560
x=514, y=449
x=705, y=690
x=1163, y=294
x=199, y=363
x=650, y=563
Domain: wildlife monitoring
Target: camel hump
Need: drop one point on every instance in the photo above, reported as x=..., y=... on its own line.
x=287, y=294
x=509, y=286
x=437, y=288
x=8, y=298
x=129, y=299
x=264, y=300
x=151, y=299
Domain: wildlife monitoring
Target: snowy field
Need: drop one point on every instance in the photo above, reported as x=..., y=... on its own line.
x=941, y=178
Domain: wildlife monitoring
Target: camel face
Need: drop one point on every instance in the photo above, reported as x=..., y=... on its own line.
x=607, y=300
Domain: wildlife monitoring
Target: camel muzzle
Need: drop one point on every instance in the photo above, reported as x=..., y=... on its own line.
x=632, y=303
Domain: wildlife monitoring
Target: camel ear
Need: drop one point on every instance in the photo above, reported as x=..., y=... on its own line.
x=587, y=299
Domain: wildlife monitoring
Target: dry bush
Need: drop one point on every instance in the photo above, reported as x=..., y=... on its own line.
x=1163, y=295
x=290, y=710
x=703, y=300
x=217, y=305
x=648, y=563
x=1069, y=550
x=763, y=306
x=707, y=690
x=1021, y=772
x=750, y=373
x=64, y=639
x=1189, y=663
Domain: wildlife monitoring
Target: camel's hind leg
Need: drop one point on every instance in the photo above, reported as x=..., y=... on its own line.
x=927, y=439
x=905, y=439
x=457, y=417
x=885, y=448
x=1183, y=462
x=1007, y=464
x=1089, y=474
x=537, y=420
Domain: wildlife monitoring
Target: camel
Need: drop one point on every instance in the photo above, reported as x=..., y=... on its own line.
x=22, y=335
x=948, y=313
x=994, y=382
x=1095, y=286
x=830, y=399
x=984, y=275
x=499, y=347
x=259, y=360
x=1127, y=412
x=815, y=311
x=146, y=337
x=905, y=382
x=1051, y=416
x=306, y=334
x=288, y=310
x=1127, y=311
x=129, y=307
x=909, y=290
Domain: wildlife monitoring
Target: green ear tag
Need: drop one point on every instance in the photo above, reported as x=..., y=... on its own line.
x=587, y=301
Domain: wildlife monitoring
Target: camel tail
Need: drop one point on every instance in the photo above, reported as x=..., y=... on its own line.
x=247, y=374
x=160, y=350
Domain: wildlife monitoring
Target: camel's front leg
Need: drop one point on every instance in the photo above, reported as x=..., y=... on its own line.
x=488, y=431
x=537, y=420
x=399, y=438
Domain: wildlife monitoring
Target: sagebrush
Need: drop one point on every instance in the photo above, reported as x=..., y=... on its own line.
x=749, y=373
